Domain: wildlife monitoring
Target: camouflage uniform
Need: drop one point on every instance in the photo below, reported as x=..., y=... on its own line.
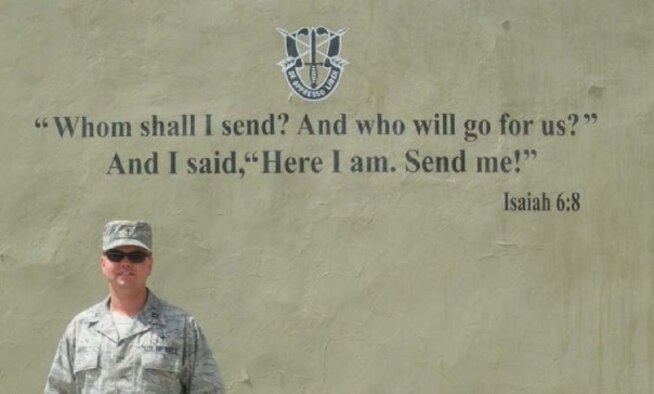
x=164, y=352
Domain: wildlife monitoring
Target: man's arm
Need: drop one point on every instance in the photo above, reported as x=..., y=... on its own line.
x=61, y=378
x=203, y=374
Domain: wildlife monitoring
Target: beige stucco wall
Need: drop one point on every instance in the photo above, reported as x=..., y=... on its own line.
x=343, y=283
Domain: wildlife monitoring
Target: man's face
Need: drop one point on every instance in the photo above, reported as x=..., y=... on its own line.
x=125, y=274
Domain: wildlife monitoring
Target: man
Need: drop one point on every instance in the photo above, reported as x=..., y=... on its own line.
x=132, y=342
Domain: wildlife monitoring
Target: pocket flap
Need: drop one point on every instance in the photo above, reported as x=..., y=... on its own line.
x=85, y=359
x=160, y=361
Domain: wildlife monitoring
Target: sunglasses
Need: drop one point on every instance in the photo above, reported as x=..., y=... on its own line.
x=116, y=256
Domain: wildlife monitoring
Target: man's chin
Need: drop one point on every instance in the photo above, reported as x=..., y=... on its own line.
x=126, y=282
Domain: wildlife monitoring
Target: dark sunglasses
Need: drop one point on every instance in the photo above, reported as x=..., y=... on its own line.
x=116, y=256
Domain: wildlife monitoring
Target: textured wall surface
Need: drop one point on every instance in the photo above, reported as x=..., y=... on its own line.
x=393, y=282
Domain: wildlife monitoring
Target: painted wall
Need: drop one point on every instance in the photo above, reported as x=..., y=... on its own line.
x=424, y=279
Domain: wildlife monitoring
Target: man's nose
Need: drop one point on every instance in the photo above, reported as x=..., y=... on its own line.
x=125, y=262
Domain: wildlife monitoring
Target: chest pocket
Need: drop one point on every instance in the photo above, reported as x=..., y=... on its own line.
x=87, y=368
x=161, y=372
x=86, y=359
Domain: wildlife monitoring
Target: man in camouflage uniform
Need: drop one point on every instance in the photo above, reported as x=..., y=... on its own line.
x=132, y=342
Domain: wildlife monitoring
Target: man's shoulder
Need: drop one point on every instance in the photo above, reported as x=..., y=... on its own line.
x=167, y=310
x=86, y=317
x=91, y=313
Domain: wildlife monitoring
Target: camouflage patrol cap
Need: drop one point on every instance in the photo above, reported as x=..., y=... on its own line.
x=127, y=233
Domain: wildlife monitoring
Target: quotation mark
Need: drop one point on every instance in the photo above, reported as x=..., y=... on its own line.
x=41, y=122
x=251, y=157
x=590, y=117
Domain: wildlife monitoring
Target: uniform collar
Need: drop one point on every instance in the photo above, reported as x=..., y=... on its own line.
x=151, y=315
